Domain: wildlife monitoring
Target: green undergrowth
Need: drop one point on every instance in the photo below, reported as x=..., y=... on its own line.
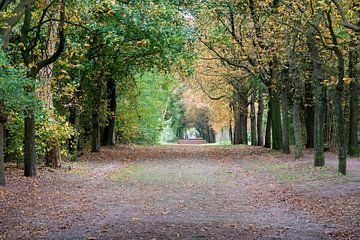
x=296, y=171
x=166, y=175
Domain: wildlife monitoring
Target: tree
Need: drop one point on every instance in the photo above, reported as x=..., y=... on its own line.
x=35, y=66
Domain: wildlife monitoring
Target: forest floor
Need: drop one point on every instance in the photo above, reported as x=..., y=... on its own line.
x=184, y=192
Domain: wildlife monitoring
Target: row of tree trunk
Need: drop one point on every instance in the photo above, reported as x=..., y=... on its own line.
x=277, y=129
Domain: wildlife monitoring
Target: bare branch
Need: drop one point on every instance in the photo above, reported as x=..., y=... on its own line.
x=346, y=23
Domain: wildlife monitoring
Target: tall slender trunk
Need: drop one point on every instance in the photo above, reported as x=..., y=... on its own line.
x=276, y=128
x=285, y=122
x=109, y=132
x=268, y=128
x=297, y=82
x=29, y=138
x=244, y=120
x=309, y=115
x=354, y=148
x=74, y=120
x=29, y=142
x=277, y=140
x=231, y=132
x=253, y=119
x=96, y=136
x=318, y=75
x=96, y=129
x=237, y=126
x=3, y=119
x=260, y=114
x=339, y=97
x=340, y=113
x=237, y=132
x=299, y=148
x=53, y=156
x=243, y=127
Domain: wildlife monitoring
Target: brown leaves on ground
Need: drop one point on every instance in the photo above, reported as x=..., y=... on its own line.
x=183, y=192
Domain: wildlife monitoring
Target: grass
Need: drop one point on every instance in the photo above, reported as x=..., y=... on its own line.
x=164, y=175
x=295, y=172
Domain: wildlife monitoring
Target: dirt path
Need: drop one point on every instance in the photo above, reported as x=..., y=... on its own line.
x=183, y=192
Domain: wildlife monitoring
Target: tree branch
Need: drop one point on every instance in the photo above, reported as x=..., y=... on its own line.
x=60, y=49
x=231, y=63
x=346, y=23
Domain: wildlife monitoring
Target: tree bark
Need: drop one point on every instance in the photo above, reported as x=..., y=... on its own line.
x=3, y=119
x=309, y=115
x=354, y=149
x=29, y=138
x=231, y=132
x=110, y=130
x=340, y=113
x=299, y=147
x=244, y=121
x=237, y=135
x=276, y=121
x=237, y=127
x=96, y=129
x=74, y=120
x=260, y=114
x=96, y=136
x=253, y=119
x=277, y=141
x=9, y=23
x=318, y=75
x=285, y=122
x=29, y=142
x=339, y=97
x=268, y=128
x=29, y=120
x=53, y=156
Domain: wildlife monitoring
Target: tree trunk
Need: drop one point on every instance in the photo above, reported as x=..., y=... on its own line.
x=244, y=121
x=299, y=147
x=318, y=75
x=53, y=156
x=277, y=141
x=285, y=122
x=237, y=127
x=2, y=167
x=29, y=138
x=96, y=136
x=253, y=119
x=297, y=82
x=319, y=160
x=74, y=120
x=244, y=132
x=268, y=128
x=109, y=133
x=338, y=98
x=340, y=115
x=354, y=148
x=260, y=114
x=96, y=128
x=29, y=142
x=3, y=119
x=276, y=121
x=231, y=132
x=309, y=115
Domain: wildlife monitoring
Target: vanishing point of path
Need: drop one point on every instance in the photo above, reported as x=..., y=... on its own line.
x=183, y=192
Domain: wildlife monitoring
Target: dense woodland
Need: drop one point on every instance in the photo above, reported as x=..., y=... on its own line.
x=78, y=75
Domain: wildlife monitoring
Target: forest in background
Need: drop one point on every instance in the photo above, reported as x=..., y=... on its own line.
x=79, y=75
